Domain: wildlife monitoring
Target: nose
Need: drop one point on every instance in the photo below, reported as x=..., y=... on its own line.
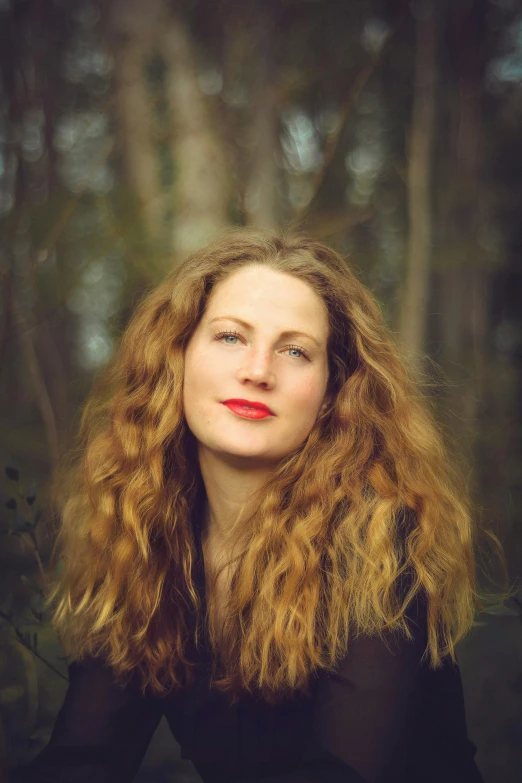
x=257, y=367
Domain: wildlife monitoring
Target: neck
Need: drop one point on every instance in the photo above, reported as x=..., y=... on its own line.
x=229, y=487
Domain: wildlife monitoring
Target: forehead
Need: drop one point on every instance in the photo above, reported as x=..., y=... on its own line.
x=266, y=291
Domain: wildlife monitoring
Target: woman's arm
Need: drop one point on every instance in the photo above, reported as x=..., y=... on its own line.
x=367, y=718
x=364, y=712
x=101, y=732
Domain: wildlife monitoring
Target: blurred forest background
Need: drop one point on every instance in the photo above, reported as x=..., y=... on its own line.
x=133, y=131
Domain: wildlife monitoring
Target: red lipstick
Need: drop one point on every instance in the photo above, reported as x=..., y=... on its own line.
x=248, y=409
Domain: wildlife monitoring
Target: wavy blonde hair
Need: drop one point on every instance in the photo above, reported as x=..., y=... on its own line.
x=369, y=501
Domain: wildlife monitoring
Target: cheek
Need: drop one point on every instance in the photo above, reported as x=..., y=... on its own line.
x=201, y=374
x=307, y=395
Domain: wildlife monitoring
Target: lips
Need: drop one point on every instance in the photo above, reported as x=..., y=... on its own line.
x=260, y=406
x=249, y=409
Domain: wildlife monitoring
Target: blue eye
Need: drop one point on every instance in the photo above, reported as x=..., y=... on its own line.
x=221, y=335
x=304, y=354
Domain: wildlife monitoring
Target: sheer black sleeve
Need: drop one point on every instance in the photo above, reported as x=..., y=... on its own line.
x=101, y=732
x=366, y=710
x=376, y=719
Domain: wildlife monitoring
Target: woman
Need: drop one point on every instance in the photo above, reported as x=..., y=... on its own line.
x=264, y=541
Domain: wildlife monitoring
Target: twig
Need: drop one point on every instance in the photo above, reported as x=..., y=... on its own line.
x=40, y=387
x=58, y=227
x=7, y=309
x=29, y=647
x=38, y=558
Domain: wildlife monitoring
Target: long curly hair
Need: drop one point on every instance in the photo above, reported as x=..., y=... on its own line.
x=368, y=502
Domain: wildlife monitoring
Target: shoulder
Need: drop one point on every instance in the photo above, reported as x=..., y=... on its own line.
x=93, y=676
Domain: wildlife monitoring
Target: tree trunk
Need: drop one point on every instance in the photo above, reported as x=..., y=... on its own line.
x=261, y=190
x=132, y=30
x=202, y=181
x=416, y=284
x=465, y=287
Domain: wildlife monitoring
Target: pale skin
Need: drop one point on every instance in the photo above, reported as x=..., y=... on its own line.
x=289, y=374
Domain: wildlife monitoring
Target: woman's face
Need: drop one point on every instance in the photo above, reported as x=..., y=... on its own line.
x=259, y=363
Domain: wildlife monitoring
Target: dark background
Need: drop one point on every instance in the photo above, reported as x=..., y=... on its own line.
x=131, y=132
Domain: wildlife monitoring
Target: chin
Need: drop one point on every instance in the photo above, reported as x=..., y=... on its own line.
x=246, y=453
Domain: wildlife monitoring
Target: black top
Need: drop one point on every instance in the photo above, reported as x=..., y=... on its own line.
x=381, y=718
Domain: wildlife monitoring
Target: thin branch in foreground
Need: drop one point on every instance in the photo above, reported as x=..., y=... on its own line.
x=20, y=638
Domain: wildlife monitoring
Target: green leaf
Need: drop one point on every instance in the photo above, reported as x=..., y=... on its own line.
x=7, y=605
x=12, y=472
x=501, y=610
x=31, y=494
x=11, y=694
x=37, y=606
x=21, y=525
x=32, y=584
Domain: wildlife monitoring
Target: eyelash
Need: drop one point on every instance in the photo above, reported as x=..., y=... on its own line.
x=306, y=355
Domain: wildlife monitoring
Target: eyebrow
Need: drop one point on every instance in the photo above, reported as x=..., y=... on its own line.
x=246, y=325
